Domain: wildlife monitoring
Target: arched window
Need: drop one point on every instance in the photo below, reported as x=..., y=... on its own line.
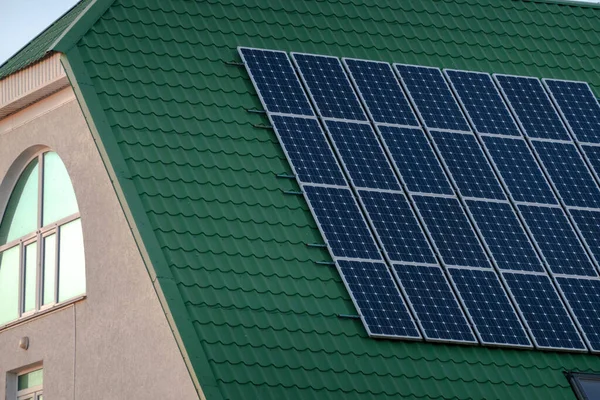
x=42, y=261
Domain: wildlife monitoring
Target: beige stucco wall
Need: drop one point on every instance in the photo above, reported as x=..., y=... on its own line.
x=115, y=343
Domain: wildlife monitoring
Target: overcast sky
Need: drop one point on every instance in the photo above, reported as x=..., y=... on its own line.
x=22, y=20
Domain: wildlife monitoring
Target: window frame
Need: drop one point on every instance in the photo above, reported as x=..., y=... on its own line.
x=574, y=379
x=32, y=393
x=38, y=236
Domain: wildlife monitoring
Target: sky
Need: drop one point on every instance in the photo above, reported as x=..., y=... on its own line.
x=22, y=20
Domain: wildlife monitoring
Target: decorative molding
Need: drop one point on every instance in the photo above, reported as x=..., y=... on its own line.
x=31, y=84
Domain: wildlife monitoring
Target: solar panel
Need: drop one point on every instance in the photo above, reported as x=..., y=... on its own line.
x=362, y=155
x=505, y=236
x=451, y=231
x=329, y=87
x=569, y=173
x=532, y=106
x=434, y=304
x=397, y=227
x=415, y=160
x=482, y=102
x=592, y=153
x=579, y=106
x=559, y=244
x=341, y=222
x=544, y=312
x=307, y=149
x=467, y=164
x=490, y=308
x=276, y=82
x=432, y=97
x=583, y=296
x=588, y=222
x=519, y=170
x=375, y=294
x=381, y=92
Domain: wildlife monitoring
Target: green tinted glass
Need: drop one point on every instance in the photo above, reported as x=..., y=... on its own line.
x=58, y=197
x=30, y=277
x=9, y=285
x=21, y=214
x=49, y=269
x=32, y=379
x=71, y=263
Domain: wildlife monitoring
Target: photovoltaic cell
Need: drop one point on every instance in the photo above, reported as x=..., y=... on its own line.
x=483, y=102
x=519, y=170
x=505, y=236
x=583, y=296
x=558, y=242
x=329, y=87
x=468, y=165
x=415, y=160
x=544, y=312
x=381, y=92
x=579, y=107
x=569, y=173
x=533, y=107
x=397, y=227
x=433, y=98
x=276, y=81
x=588, y=223
x=434, y=303
x=308, y=151
x=490, y=308
x=341, y=222
x=362, y=155
x=378, y=299
x=593, y=155
x=451, y=231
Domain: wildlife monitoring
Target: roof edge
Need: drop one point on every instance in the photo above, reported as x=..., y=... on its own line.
x=164, y=284
x=80, y=25
x=569, y=3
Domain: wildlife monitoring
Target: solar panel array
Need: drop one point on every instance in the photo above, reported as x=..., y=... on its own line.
x=457, y=206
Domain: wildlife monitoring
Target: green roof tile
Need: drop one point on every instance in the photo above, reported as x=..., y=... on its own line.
x=264, y=312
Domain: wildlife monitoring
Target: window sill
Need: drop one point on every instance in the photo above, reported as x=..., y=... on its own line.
x=42, y=313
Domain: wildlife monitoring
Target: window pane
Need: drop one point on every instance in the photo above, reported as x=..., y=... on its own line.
x=59, y=198
x=34, y=378
x=30, y=283
x=21, y=214
x=49, y=269
x=9, y=285
x=71, y=263
x=591, y=387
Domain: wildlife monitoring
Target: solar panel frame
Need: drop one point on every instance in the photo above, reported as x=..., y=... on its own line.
x=346, y=61
x=257, y=86
x=312, y=95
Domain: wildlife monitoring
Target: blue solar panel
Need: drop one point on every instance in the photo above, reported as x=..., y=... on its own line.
x=483, y=103
x=593, y=155
x=583, y=296
x=467, y=164
x=415, y=160
x=544, y=312
x=329, y=87
x=433, y=98
x=381, y=92
x=519, y=170
x=362, y=155
x=557, y=240
x=579, y=107
x=569, y=173
x=588, y=223
x=505, y=236
x=341, y=222
x=451, y=231
x=434, y=303
x=533, y=107
x=275, y=81
x=307, y=150
x=376, y=295
x=489, y=307
x=397, y=227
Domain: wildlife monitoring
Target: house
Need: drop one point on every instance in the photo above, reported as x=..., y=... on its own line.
x=128, y=155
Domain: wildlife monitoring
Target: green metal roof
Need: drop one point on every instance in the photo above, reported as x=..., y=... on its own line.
x=257, y=315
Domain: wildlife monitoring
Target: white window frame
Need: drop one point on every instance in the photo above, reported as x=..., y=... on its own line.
x=32, y=393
